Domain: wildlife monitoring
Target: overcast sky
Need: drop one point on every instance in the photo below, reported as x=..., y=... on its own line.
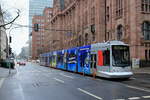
x=20, y=35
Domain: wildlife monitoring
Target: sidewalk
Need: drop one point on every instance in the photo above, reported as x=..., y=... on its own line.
x=4, y=72
x=145, y=70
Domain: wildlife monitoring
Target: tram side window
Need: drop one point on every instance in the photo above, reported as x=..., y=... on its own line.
x=72, y=57
x=106, y=57
x=93, y=60
x=50, y=60
x=60, y=58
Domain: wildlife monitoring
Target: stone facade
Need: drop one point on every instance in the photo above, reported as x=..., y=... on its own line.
x=76, y=23
x=82, y=22
x=125, y=21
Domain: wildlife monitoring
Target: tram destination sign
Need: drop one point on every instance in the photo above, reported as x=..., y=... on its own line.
x=120, y=47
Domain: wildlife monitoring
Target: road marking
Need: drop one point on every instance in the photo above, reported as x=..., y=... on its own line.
x=1, y=82
x=59, y=80
x=99, y=98
x=66, y=76
x=137, y=88
x=134, y=98
x=118, y=99
x=146, y=97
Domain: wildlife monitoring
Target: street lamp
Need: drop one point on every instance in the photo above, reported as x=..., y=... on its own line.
x=10, y=40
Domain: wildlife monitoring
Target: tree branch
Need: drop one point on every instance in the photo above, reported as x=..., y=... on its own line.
x=18, y=14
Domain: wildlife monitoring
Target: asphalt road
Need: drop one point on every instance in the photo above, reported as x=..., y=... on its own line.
x=34, y=82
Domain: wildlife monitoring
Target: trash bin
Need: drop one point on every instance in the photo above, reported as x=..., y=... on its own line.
x=7, y=63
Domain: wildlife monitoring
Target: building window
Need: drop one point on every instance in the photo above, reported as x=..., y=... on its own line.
x=146, y=58
x=93, y=32
x=145, y=6
x=119, y=32
x=146, y=30
x=93, y=36
x=119, y=8
x=93, y=28
x=107, y=14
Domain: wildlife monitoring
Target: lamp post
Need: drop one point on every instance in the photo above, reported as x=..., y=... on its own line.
x=9, y=65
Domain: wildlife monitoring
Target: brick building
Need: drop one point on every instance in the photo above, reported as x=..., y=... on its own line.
x=76, y=23
x=81, y=22
x=38, y=37
x=129, y=21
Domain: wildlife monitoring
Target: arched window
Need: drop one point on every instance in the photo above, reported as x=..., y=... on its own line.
x=119, y=32
x=146, y=30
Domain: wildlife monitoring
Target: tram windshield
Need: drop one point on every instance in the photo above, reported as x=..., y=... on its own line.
x=120, y=56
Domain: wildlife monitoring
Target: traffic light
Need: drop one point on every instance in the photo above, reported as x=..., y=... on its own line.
x=10, y=50
x=36, y=27
x=10, y=39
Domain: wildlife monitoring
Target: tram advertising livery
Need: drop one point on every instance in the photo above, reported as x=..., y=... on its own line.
x=110, y=59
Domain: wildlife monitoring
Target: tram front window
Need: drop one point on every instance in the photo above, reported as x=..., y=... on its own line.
x=120, y=56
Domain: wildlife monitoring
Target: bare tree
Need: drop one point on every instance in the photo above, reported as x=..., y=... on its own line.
x=8, y=16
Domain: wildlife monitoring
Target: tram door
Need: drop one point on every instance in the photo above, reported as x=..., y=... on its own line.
x=93, y=61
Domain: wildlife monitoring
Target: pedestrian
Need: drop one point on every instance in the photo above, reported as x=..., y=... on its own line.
x=94, y=72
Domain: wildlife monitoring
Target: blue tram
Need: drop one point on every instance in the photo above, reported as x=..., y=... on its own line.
x=84, y=59
x=110, y=59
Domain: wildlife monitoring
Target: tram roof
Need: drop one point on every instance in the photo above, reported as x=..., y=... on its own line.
x=108, y=43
